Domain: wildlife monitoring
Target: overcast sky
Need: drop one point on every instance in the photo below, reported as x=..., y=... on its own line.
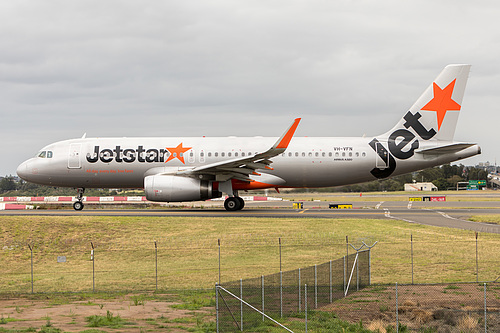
x=244, y=68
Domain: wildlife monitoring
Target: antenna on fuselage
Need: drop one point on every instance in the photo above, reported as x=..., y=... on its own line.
x=84, y=135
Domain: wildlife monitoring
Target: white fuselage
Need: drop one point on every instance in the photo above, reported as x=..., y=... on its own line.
x=307, y=162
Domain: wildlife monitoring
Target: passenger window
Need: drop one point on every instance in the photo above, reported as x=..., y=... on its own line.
x=235, y=154
x=330, y=154
x=363, y=154
x=222, y=154
x=303, y=154
x=289, y=154
x=323, y=154
x=336, y=154
x=228, y=154
x=296, y=154
x=243, y=154
x=209, y=154
x=350, y=154
x=317, y=154
x=343, y=154
x=357, y=154
x=310, y=154
x=216, y=154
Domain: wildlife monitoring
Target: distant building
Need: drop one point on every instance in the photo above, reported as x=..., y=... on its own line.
x=420, y=187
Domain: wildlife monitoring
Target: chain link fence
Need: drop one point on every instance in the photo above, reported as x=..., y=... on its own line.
x=281, y=294
x=453, y=307
x=450, y=307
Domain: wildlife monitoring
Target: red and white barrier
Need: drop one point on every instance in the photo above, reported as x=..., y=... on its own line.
x=9, y=206
x=108, y=199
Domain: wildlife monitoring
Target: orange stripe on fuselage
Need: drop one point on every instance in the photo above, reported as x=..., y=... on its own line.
x=241, y=185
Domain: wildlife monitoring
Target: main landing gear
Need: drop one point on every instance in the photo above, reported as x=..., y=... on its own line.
x=78, y=204
x=234, y=203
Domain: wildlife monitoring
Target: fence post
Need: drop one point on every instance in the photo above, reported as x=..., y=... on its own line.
x=357, y=275
x=344, y=274
x=397, y=312
x=156, y=266
x=315, y=287
x=331, y=283
x=217, y=307
x=263, y=298
x=280, y=251
x=477, y=264
x=92, y=257
x=305, y=303
x=411, y=241
x=347, y=252
x=218, y=242
x=281, y=294
x=241, y=305
x=31, y=250
x=369, y=266
x=300, y=291
x=485, y=311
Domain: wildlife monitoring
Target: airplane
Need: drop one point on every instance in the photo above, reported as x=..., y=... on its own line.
x=201, y=168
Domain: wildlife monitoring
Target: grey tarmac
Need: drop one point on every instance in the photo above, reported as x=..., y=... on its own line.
x=440, y=214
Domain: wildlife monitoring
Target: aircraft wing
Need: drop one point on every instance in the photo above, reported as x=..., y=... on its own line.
x=447, y=149
x=242, y=168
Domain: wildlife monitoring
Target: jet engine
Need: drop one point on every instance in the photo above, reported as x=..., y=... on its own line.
x=168, y=188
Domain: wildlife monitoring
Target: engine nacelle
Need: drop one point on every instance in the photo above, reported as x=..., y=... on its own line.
x=176, y=188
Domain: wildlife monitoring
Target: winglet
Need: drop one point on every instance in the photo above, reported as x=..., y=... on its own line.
x=285, y=139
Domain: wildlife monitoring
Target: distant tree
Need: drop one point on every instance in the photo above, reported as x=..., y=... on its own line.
x=8, y=184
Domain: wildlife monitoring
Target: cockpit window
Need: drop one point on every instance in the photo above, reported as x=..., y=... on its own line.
x=45, y=154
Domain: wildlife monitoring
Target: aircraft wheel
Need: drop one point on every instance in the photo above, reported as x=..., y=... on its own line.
x=78, y=205
x=242, y=203
x=232, y=204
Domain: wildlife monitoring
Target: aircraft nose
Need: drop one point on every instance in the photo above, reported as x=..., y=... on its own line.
x=22, y=170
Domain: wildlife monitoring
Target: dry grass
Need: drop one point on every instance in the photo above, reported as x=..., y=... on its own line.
x=421, y=316
x=494, y=218
x=188, y=251
x=378, y=326
x=467, y=324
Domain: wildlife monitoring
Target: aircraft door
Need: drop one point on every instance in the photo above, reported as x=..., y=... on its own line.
x=191, y=156
x=202, y=156
x=74, y=156
x=382, y=157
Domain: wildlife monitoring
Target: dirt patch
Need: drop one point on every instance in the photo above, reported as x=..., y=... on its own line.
x=152, y=313
x=444, y=307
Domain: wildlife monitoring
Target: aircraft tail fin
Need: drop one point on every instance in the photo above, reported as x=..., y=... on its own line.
x=435, y=113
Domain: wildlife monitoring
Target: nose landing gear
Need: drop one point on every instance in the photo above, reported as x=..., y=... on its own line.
x=78, y=204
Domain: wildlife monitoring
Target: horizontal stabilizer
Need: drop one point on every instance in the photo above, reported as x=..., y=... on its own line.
x=447, y=149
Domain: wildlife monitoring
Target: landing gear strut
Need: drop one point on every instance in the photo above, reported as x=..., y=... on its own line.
x=78, y=204
x=234, y=204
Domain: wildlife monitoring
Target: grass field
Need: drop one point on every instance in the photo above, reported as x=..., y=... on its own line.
x=188, y=251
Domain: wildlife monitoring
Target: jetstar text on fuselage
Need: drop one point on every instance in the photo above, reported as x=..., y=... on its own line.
x=130, y=155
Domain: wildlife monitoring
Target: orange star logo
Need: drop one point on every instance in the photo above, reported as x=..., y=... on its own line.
x=177, y=152
x=442, y=102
